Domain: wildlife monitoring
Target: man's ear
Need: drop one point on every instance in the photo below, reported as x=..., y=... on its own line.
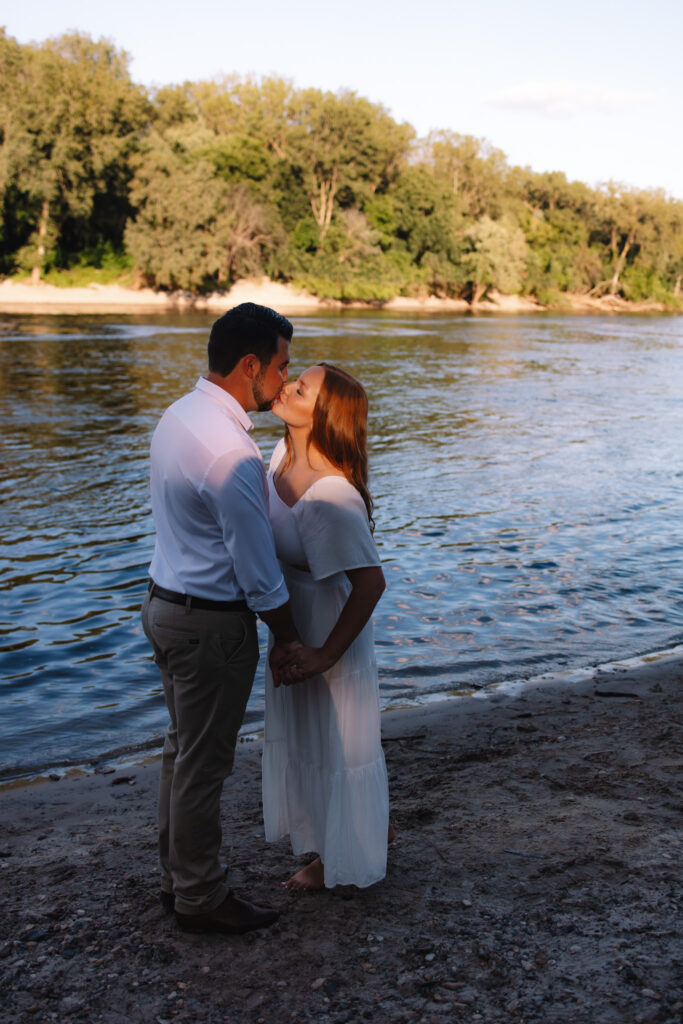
x=251, y=365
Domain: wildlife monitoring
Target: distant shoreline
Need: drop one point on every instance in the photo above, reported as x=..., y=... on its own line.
x=23, y=297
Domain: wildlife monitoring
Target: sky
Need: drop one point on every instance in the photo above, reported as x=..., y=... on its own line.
x=593, y=88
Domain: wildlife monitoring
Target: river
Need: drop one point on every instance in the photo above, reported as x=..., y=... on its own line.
x=525, y=471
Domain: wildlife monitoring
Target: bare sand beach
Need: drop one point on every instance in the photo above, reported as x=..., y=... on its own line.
x=23, y=297
x=535, y=877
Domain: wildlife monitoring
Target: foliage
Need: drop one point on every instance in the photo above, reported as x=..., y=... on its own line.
x=103, y=266
x=474, y=171
x=70, y=118
x=193, y=186
x=193, y=230
x=496, y=257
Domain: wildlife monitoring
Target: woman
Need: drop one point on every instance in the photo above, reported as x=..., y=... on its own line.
x=324, y=776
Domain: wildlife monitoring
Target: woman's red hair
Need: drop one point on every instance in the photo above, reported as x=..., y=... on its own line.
x=340, y=428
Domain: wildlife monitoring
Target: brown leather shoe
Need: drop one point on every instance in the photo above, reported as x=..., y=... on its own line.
x=233, y=916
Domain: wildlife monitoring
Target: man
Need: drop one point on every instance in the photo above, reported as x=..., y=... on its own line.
x=214, y=569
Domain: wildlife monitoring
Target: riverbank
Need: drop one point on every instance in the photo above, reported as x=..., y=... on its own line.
x=23, y=297
x=533, y=879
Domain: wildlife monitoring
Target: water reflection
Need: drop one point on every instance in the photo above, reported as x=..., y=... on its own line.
x=525, y=472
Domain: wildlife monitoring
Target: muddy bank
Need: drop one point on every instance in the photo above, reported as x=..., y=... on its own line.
x=535, y=877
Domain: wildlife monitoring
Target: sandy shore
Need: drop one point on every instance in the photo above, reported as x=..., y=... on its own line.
x=535, y=877
x=23, y=297
x=20, y=297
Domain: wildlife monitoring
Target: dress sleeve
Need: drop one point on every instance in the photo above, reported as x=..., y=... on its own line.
x=334, y=528
x=278, y=455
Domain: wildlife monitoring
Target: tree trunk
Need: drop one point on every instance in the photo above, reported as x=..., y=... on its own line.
x=613, y=242
x=619, y=265
x=477, y=293
x=322, y=209
x=42, y=231
x=677, y=286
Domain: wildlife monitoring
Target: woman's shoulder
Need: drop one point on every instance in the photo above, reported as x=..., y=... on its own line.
x=333, y=490
x=334, y=528
x=333, y=486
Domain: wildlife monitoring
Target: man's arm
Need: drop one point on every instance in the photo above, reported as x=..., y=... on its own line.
x=279, y=622
x=235, y=490
x=241, y=506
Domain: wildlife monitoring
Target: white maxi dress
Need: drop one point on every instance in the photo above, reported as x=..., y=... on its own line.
x=324, y=776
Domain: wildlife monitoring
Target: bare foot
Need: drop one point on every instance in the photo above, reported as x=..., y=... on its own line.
x=310, y=877
x=313, y=875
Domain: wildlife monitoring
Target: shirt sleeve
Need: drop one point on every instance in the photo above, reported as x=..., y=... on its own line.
x=235, y=490
x=334, y=529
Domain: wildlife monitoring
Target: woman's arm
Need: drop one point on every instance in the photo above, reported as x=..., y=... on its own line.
x=367, y=586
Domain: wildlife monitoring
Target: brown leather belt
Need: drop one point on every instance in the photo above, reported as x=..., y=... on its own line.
x=196, y=602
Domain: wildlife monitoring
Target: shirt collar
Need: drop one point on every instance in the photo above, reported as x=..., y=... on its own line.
x=226, y=399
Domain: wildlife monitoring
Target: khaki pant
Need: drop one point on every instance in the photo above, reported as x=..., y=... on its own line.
x=207, y=660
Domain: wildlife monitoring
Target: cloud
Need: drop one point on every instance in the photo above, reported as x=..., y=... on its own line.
x=561, y=99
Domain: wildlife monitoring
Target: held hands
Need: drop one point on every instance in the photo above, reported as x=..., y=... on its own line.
x=281, y=659
x=293, y=662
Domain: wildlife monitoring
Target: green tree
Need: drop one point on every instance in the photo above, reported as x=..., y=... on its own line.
x=343, y=145
x=173, y=235
x=251, y=235
x=71, y=118
x=192, y=229
x=656, y=266
x=674, y=247
x=626, y=223
x=426, y=215
x=174, y=105
x=497, y=257
x=474, y=169
x=252, y=122
x=263, y=110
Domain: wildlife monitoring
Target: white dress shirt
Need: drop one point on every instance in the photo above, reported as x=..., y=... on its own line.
x=210, y=504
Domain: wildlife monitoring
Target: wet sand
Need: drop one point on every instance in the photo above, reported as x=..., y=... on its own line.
x=535, y=877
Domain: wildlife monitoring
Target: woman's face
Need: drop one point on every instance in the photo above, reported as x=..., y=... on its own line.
x=296, y=402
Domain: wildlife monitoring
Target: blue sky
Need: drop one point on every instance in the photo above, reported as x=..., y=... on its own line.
x=594, y=89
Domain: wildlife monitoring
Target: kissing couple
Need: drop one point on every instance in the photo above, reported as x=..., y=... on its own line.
x=294, y=548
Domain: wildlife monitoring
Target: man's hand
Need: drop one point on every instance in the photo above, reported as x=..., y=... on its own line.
x=282, y=662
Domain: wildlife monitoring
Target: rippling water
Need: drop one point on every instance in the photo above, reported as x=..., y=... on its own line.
x=528, y=488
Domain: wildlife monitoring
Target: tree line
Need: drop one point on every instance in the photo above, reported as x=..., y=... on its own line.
x=194, y=186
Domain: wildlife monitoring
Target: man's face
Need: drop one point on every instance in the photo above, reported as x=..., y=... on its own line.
x=268, y=381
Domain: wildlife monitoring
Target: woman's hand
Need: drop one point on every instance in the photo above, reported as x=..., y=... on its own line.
x=293, y=662
x=297, y=662
x=311, y=661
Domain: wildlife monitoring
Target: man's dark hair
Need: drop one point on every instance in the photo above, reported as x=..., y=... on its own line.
x=244, y=330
